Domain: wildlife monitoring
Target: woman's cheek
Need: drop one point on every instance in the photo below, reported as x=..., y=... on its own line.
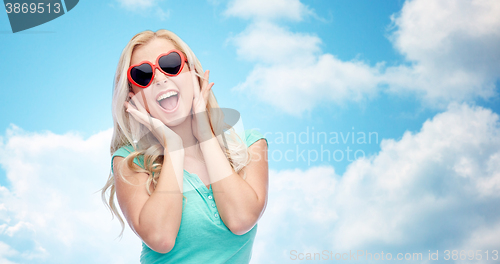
x=189, y=99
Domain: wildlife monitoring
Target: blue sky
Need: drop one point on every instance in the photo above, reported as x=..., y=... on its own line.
x=88, y=40
x=421, y=75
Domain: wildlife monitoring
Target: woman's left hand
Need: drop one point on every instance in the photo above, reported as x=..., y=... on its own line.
x=200, y=123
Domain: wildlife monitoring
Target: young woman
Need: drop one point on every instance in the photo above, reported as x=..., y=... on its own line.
x=188, y=185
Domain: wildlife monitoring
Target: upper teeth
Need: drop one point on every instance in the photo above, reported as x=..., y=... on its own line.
x=166, y=95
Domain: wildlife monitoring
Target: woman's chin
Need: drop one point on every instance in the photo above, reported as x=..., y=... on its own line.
x=173, y=123
x=178, y=119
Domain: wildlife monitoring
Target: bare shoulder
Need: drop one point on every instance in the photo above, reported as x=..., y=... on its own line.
x=259, y=154
x=131, y=195
x=257, y=170
x=122, y=171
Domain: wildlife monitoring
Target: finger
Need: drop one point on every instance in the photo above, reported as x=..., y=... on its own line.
x=138, y=104
x=133, y=109
x=130, y=97
x=205, y=80
x=196, y=84
x=206, y=86
x=138, y=116
x=129, y=106
x=145, y=101
x=206, y=92
x=148, y=120
x=209, y=87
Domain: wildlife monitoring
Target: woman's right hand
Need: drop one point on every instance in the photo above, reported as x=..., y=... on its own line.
x=162, y=132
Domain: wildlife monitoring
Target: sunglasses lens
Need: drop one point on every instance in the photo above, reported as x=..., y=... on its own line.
x=142, y=74
x=171, y=63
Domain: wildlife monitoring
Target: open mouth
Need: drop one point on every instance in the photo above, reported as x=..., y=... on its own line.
x=169, y=101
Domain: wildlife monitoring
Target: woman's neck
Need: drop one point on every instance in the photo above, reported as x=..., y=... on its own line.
x=189, y=141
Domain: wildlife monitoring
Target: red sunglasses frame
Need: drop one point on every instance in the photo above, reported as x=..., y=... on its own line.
x=155, y=66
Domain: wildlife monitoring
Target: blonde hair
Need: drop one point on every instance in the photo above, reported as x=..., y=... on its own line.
x=126, y=127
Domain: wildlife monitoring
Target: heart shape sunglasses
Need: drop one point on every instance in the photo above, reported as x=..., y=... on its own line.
x=143, y=73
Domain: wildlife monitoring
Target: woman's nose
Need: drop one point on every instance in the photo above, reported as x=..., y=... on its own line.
x=159, y=77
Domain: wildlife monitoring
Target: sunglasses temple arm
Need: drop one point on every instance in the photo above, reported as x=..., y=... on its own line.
x=191, y=66
x=199, y=75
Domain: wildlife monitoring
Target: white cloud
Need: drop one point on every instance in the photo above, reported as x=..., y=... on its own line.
x=51, y=213
x=268, y=10
x=146, y=7
x=268, y=43
x=6, y=251
x=434, y=32
x=453, y=48
x=293, y=75
x=450, y=48
x=483, y=239
x=134, y=4
x=436, y=189
x=438, y=185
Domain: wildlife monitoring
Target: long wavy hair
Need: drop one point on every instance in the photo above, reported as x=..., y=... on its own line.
x=126, y=130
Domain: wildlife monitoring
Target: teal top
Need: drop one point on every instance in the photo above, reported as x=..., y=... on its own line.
x=203, y=237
